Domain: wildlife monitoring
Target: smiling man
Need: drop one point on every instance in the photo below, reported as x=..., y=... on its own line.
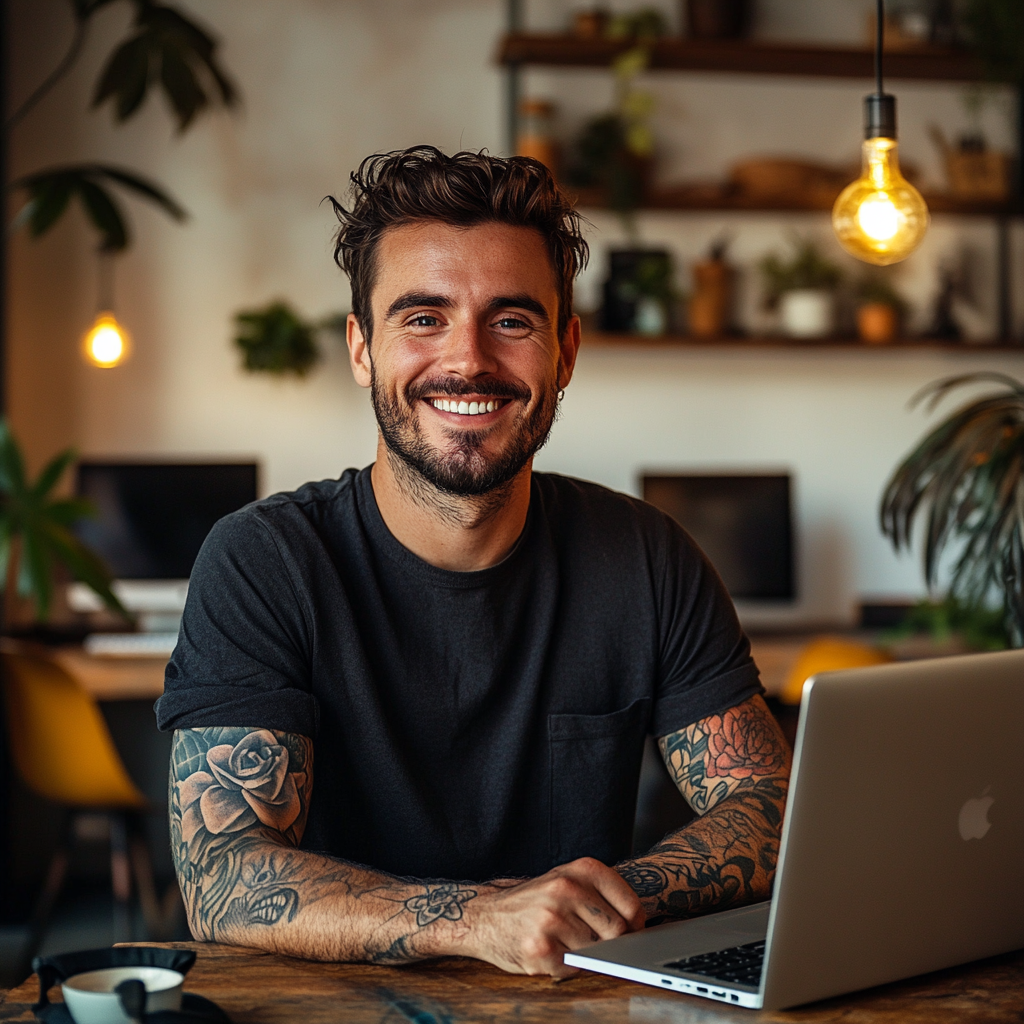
x=468, y=653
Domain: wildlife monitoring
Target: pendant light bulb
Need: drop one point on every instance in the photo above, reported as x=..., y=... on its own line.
x=880, y=218
x=106, y=344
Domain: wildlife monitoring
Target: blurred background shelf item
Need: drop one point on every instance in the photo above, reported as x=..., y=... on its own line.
x=740, y=56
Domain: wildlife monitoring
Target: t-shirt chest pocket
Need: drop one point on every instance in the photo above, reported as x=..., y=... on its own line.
x=594, y=771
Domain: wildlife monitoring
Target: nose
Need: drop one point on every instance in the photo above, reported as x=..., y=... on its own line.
x=467, y=352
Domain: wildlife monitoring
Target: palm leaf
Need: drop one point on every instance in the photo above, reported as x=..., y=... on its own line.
x=52, y=472
x=84, y=565
x=39, y=527
x=105, y=215
x=966, y=479
x=50, y=191
x=169, y=49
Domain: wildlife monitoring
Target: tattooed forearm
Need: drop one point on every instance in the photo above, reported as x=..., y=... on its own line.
x=239, y=799
x=733, y=769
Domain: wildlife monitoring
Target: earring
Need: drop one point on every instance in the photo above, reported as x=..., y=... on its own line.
x=561, y=394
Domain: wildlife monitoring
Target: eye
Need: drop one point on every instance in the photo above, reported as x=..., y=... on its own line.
x=424, y=320
x=512, y=323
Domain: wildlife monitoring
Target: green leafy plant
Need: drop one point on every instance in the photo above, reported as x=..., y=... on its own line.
x=966, y=480
x=36, y=534
x=995, y=29
x=164, y=50
x=981, y=629
x=873, y=288
x=614, y=150
x=278, y=340
x=806, y=268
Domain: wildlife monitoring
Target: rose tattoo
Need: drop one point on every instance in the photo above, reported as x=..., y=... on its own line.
x=246, y=783
x=741, y=744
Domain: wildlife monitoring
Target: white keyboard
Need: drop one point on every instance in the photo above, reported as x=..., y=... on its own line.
x=131, y=645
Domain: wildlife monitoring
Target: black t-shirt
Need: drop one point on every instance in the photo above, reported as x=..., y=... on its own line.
x=466, y=725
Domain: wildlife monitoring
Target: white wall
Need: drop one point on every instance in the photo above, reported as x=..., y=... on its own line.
x=327, y=82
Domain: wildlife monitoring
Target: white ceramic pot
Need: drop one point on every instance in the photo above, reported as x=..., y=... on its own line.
x=650, y=316
x=807, y=313
x=91, y=997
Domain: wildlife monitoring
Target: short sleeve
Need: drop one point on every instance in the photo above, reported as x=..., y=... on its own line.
x=705, y=661
x=243, y=651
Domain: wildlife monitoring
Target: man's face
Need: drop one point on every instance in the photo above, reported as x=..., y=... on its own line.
x=465, y=362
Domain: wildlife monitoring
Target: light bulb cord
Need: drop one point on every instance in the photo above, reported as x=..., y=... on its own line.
x=879, y=41
x=105, y=278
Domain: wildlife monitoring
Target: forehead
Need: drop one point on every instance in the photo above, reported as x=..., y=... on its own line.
x=480, y=261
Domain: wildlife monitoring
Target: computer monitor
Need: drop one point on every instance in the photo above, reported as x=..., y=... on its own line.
x=743, y=523
x=152, y=519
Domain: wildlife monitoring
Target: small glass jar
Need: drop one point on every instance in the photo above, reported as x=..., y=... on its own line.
x=536, y=133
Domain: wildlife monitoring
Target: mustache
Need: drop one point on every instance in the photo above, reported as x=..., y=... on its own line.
x=454, y=386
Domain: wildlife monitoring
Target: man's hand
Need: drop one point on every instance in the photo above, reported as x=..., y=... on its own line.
x=526, y=927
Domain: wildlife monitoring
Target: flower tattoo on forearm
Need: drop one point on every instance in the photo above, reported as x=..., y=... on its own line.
x=733, y=769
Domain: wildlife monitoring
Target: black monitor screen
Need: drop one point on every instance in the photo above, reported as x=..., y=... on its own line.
x=743, y=524
x=152, y=518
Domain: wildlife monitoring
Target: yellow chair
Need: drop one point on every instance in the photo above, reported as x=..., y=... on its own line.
x=828, y=654
x=62, y=749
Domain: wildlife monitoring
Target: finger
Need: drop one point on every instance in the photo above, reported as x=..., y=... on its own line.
x=615, y=892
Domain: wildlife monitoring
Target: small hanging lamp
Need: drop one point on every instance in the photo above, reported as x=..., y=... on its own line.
x=106, y=344
x=880, y=218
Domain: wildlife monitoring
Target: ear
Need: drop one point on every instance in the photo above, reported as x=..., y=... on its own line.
x=568, y=348
x=358, y=351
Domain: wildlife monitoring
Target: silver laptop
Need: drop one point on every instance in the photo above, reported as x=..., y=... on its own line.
x=901, y=849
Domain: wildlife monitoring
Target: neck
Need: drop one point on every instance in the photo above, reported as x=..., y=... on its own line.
x=449, y=531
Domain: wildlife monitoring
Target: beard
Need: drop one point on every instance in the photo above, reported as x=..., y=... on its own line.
x=461, y=467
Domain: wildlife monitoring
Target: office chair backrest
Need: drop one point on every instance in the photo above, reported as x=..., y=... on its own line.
x=60, y=743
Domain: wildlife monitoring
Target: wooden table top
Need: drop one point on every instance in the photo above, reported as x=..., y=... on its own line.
x=142, y=678
x=114, y=678
x=262, y=988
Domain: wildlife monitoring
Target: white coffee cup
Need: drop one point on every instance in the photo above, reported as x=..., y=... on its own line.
x=91, y=997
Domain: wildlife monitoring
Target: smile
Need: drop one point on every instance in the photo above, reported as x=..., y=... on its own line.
x=464, y=408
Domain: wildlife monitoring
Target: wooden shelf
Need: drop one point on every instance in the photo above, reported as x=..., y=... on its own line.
x=742, y=57
x=718, y=197
x=601, y=339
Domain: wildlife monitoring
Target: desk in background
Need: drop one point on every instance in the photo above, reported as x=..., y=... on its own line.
x=262, y=988
x=110, y=678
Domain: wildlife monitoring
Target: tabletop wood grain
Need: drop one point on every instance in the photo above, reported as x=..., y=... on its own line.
x=263, y=988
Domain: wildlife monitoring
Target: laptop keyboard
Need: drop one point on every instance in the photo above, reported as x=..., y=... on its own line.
x=740, y=964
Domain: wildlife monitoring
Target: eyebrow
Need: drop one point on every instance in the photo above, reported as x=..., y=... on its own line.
x=413, y=299
x=526, y=302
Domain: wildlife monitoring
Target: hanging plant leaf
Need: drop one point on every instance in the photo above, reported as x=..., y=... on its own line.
x=171, y=50
x=968, y=473
x=50, y=191
x=276, y=340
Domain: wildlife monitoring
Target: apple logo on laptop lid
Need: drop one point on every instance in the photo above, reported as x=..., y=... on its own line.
x=973, y=821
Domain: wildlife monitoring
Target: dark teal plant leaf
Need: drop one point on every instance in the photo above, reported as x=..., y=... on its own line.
x=105, y=215
x=37, y=526
x=50, y=190
x=966, y=479
x=172, y=50
x=276, y=340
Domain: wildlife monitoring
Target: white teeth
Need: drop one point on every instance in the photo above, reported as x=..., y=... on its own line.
x=464, y=408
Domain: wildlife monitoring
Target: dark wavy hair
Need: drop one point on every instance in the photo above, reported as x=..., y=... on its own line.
x=422, y=183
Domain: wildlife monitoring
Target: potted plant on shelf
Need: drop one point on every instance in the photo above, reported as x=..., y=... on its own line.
x=802, y=289
x=277, y=340
x=968, y=473
x=36, y=534
x=880, y=310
